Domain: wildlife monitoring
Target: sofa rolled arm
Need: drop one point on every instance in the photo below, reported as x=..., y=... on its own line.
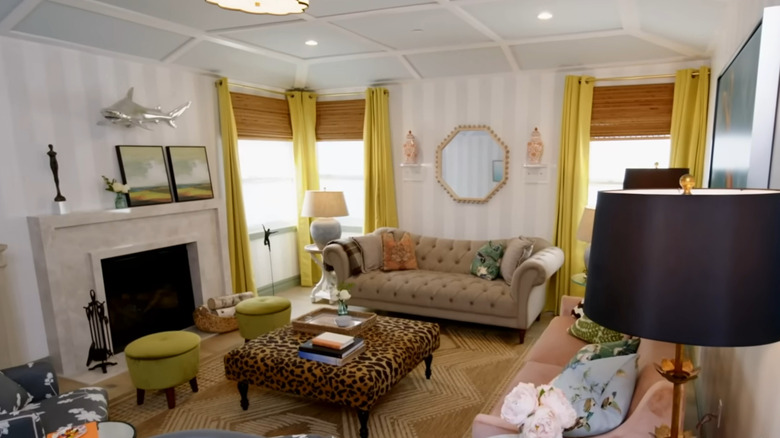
x=541, y=265
x=334, y=256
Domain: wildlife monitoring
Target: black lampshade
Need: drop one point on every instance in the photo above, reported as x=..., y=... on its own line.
x=653, y=178
x=700, y=269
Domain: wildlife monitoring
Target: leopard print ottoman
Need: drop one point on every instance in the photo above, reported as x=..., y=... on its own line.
x=394, y=347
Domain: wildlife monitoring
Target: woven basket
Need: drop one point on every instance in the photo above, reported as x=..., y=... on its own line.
x=211, y=323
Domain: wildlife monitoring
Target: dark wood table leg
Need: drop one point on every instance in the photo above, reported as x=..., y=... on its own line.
x=363, y=417
x=243, y=388
x=194, y=384
x=428, y=361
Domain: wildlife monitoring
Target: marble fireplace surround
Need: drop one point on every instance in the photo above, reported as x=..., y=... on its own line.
x=68, y=249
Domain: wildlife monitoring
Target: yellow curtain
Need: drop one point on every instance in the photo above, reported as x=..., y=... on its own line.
x=380, y=184
x=689, y=120
x=238, y=235
x=572, y=182
x=303, y=117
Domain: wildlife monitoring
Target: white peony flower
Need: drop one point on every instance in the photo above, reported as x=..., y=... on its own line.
x=519, y=404
x=126, y=188
x=556, y=400
x=542, y=424
x=344, y=295
x=116, y=187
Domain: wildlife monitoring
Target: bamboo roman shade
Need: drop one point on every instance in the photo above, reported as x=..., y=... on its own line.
x=632, y=111
x=340, y=119
x=261, y=117
x=266, y=118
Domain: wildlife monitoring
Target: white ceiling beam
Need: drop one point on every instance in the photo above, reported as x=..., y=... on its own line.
x=17, y=15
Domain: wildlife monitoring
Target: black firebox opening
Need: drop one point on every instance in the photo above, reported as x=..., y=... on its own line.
x=148, y=292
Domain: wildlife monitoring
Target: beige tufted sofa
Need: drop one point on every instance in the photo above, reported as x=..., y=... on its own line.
x=443, y=286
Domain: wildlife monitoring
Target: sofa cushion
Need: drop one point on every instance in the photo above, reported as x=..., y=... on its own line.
x=76, y=407
x=555, y=346
x=36, y=377
x=430, y=289
x=603, y=350
x=517, y=250
x=12, y=396
x=371, y=249
x=593, y=333
x=487, y=262
x=600, y=391
x=398, y=255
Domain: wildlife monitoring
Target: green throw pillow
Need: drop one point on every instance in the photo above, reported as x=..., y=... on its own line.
x=487, y=261
x=604, y=350
x=592, y=333
x=600, y=391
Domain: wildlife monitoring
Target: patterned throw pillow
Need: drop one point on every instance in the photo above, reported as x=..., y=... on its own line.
x=517, y=251
x=12, y=396
x=579, y=310
x=592, y=333
x=601, y=351
x=487, y=261
x=600, y=391
x=398, y=255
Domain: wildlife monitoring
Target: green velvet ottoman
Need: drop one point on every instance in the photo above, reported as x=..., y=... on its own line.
x=163, y=361
x=260, y=315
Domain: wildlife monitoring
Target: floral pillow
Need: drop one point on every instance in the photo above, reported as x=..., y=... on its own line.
x=398, y=255
x=487, y=261
x=600, y=392
x=606, y=349
x=13, y=396
x=592, y=333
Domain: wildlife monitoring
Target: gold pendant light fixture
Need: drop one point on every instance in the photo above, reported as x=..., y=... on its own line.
x=273, y=7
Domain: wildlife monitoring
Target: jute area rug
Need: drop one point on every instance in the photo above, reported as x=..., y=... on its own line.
x=471, y=369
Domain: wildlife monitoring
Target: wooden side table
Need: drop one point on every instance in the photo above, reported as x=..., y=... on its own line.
x=327, y=284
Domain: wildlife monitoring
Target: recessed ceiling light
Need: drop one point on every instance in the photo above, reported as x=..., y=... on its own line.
x=311, y=43
x=544, y=15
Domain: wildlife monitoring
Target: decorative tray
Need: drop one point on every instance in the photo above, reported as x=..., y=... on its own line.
x=324, y=320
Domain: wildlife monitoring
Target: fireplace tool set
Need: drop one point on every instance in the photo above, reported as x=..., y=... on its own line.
x=101, y=348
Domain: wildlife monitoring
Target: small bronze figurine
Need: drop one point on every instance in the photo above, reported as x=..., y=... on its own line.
x=55, y=167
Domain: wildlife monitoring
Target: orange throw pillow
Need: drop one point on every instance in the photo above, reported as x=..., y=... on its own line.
x=398, y=255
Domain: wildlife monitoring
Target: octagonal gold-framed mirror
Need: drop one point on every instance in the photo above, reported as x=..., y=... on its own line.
x=472, y=164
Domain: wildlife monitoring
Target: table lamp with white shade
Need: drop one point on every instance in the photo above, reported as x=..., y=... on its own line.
x=324, y=206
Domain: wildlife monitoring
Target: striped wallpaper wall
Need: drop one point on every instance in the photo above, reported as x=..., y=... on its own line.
x=512, y=105
x=54, y=95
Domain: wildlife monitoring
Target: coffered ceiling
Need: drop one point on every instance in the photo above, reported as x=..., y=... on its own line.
x=366, y=42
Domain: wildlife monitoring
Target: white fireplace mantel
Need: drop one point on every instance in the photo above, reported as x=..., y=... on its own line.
x=68, y=248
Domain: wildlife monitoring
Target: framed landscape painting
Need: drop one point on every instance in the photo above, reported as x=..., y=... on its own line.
x=143, y=169
x=190, y=173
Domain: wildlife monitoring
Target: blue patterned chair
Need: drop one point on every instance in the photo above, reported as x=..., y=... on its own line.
x=31, y=405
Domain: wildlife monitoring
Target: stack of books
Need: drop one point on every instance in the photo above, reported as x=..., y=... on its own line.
x=331, y=348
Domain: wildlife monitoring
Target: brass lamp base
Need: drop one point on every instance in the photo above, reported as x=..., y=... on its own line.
x=678, y=373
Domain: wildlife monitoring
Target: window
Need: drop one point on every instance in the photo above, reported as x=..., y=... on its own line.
x=341, y=168
x=610, y=158
x=268, y=182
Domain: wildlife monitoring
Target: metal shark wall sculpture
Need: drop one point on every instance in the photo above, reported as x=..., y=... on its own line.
x=128, y=113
